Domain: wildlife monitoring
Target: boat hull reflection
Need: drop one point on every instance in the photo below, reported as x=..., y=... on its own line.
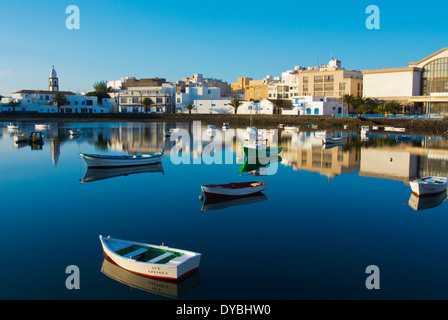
x=420, y=203
x=223, y=203
x=96, y=174
x=172, y=289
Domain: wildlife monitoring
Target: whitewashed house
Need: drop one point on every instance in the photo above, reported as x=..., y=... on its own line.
x=315, y=105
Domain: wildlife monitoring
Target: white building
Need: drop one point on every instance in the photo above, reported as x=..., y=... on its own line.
x=129, y=100
x=196, y=93
x=315, y=105
x=40, y=100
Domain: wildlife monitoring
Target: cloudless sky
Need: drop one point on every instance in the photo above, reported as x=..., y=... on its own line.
x=223, y=40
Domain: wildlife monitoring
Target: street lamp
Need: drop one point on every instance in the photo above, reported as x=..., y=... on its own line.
x=429, y=104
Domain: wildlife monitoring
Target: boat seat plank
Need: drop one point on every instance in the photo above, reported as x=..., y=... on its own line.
x=135, y=253
x=163, y=256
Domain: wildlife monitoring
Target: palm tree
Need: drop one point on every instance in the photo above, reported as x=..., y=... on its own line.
x=235, y=103
x=189, y=107
x=147, y=103
x=394, y=107
x=363, y=108
x=59, y=99
x=381, y=108
x=348, y=99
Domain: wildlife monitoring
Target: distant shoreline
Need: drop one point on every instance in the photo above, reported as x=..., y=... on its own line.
x=413, y=126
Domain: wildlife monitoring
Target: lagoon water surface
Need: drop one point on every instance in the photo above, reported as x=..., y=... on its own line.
x=326, y=215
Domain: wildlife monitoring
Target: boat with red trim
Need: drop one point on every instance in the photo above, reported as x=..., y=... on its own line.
x=234, y=189
x=151, y=260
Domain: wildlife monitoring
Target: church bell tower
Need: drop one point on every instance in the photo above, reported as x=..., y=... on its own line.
x=53, y=81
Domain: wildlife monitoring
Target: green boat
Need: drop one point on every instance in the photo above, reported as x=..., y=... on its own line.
x=261, y=152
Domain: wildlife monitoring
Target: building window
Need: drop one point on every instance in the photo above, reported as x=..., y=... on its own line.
x=316, y=110
x=329, y=78
x=319, y=79
x=435, y=77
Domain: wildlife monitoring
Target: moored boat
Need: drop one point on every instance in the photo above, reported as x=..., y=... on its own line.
x=320, y=133
x=428, y=185
x=12, y=126
x=291, y=129
x=329, y=140
x=365, y=130
x=235, y=189
x=41, y=126
x=74, y=133
x=96, y=160
x=261, y=151
x=151, y=260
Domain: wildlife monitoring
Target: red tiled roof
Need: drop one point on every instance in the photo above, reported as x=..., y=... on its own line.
x=67, y=93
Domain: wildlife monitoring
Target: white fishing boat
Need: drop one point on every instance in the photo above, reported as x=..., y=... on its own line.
x=330, y=140
x=151, y=260
x=96, y=160
x=74, y=133
x=41, y=126
x=389, y=129
x=375, y=128
x=12, y=126
x=400, y=129
x=253, y=134
x=321, y=134
x=236, y=189
x=428, y=185
x=291, y=129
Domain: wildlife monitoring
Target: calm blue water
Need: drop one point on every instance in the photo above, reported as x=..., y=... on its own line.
x=325, y=216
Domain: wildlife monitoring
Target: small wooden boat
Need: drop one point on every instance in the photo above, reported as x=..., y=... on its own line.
x=74, y=133
x=41, y=126
x=96, y=160
x=428, y=185
x=291, y=129
x=12, y=126
x=151, y=260
x=329, y=140
x=236, y=189
x=261, y=151
x=321, y=134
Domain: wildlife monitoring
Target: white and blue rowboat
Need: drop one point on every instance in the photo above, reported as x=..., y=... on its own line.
x=151, y=260
x=428, y=185
x=329, y=140
x=96, y=160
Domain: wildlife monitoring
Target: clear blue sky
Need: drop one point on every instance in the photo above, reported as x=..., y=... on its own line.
x=224, y=40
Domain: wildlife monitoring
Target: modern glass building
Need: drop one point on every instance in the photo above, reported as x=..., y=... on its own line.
x=422, y=86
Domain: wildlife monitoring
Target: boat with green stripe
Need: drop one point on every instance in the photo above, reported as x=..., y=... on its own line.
x=151, y=260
